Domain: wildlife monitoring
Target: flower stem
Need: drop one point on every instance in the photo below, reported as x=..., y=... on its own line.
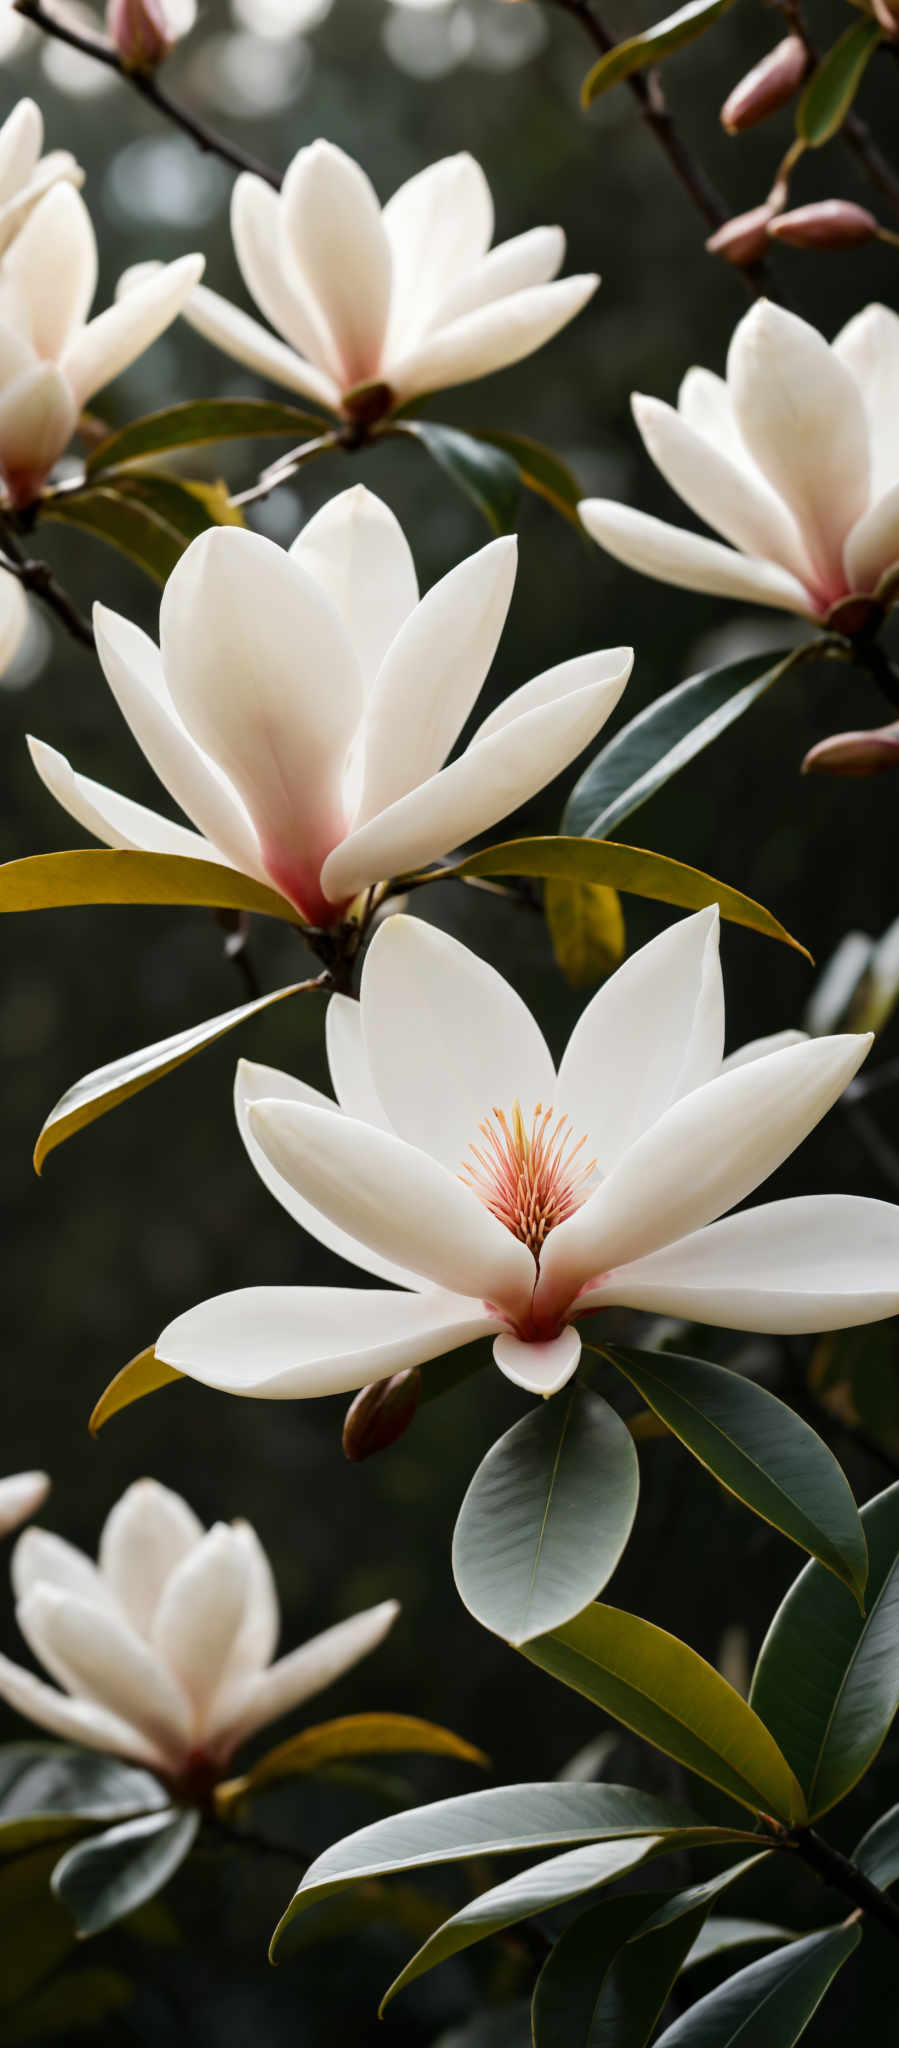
x=37, y=576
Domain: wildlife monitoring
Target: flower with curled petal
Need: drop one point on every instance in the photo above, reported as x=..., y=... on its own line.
x=25, y=175
x=501, y=1197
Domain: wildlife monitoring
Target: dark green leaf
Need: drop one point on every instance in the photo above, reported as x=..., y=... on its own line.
x=130, y=527
x=827, y=1679
x=759, y=1449
x=103, y=1880
x=547, y=1516
x=542, y=471
x=70, y=2005
x=486, y=475
x=877, y=1853
x=650, y=47
x=48, y=1791
x=37, y=1932
x=56, y=881
x=722, y=1933
x=769, y=2004
x=834, y=83
x=586, y=926
x=599, y=1985
x=183, y=506
x=199, y=422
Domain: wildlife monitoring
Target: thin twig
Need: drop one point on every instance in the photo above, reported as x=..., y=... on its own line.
x=844, y=1876
x=147, y=85
x=280, y=472
x=858, y=138
x=38, y=577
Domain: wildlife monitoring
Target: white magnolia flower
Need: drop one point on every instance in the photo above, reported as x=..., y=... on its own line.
x=410, y=297
x=508, y=1200
x=25, y=175
x=52, y=358
x=303, y=704
x=13, y=617
x=164, y=1647
x=794, y=459
x=21, y=1496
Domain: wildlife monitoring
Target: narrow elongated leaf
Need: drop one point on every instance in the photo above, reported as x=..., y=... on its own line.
x=144, y=1374
x=542, y=471
x=182, y=505
x=649, y=48
x=130, y=527
x=48, y=1791
x=705, y=1894
x=351, y=1735
x=199, y=422
x=724, y=1932
x=632, y=869
x=102, y=1880
x=827, y=1678
x=877, y=1853
x=759, y=1449
x=661, y=1689
x=586, y=926
x=547, y=1516
x=37, y=1931
x=568, y=1991
x=833, y=85
x=769, y=2004
x=66, y=2009
x=55, y=881
x=485, y=474
x=107, y=1086
x=671, y=731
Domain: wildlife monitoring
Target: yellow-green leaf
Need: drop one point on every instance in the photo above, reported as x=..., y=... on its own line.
x=142, y=1375
x=833, y=85
x=350, y=1735
x=650, y=47
x=586, y=926
x=56, y=881
x=199, y=422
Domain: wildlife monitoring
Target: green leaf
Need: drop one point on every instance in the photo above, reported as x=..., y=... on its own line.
x=103, y=1880
x=759, y=1449
x=705, y=1894
x=769, y=2004
x=547, y=1516
x=511, y=1820
x=130, y=527
x=649, y=48
x=37, y=1932
x=599, y=1984
x=144, y=1374
x=877, y=1853
x=48, y=1791
x=351, y=1735
x=542, y=471
x=827, y=1678
x=185, y=507
x=486, y=475
x=199, y=422
x=662, y=1690
x=586, y=926
x=107, y=1086
x=832, y=88
x=723, y=1932
x=71, y=2004
x=660, y=741
x=56, y=881
x=629, y=868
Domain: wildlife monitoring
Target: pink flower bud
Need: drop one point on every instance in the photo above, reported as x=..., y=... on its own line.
x=745, y=238
x=855, y=753
x=380, y=1414
x=140, y=31
x=827, y=224
x=768, y=86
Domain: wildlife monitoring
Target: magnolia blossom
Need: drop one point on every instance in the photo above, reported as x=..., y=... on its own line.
x=409, y=298
x=21, y=1496
x=302, y=704
x=164, y=1647
x=144, y=31
x=507, y=1199
x=25, y=175
x=52, y=358
x=13, y=617
x=794, y=459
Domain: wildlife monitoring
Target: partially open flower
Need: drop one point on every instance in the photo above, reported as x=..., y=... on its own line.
x=25, y=175
x=144, y=31
x=20, y=1497
x=502, y=1198
x=163, y=1649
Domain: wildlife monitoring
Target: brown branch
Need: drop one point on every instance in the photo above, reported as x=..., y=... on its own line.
x=38, y=577
x=844, y=1876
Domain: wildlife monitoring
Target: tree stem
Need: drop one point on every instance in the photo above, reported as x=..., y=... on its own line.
x=844, y=1876
x=37, y=576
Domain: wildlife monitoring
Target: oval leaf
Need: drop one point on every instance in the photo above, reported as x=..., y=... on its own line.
x=603, y=1983
x=103, y=1880
x=48, y=1791
x=351, y=1735
x=547, y=1516
x=144, y=1374
x=878, y=1851
x=650, y=47
x=769, y=2004
x=827, y=1678
x=56, y=881
x=199, y=422
x=759, y=1449
x=132, y=528
x=586, y=926
x=485, y=474
x=661, y=1689
x=542, y=471
x=832, y=88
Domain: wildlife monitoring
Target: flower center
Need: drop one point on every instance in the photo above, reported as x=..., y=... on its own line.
x=529, y=1177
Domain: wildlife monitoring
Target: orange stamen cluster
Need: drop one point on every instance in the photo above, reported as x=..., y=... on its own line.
x=530, y=1179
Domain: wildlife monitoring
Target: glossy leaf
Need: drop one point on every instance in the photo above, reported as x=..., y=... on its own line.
x=37, y=1931
x=662, y=1690
x=724, y=1932
x=103, y=1880
x=129, y=527
x=632, y=869
x=144, y=1374
x=827, y=1678
x=483, y=473
x=48, y=1791
x=705, y=1894
x=55, y=881
x=586, y=926
x=770, y=2003
x=834, y=83
x=649, y=48
x=107, y=1086
x=660, y=741
x=541, y=470
x=182, y=504
x=877, y=1853
x=351, y=1735
x=199, y=422
x=597, y=1985
x=547, y=1516
x=759, y=1449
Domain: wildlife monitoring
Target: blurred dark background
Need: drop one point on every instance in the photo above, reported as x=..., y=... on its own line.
x=156, y=1207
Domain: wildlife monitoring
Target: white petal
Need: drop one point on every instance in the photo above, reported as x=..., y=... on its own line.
x=292, y=1343
x=333, y=222
x=447, y=1040
x=256, y=227
x=315, y=1665
x=873, y=545
x=348, y=1063
x=247, y=342
x=21, y=142
x=54, y=262
x=756, y=1048
x=539, y=1368
x=689, y=560
x=869, y=347
x=491, y=338
x=42, y=1559
x=106, y=1663
x=75, y=1720
x=439, y=225
x=705, y=404
x=266, y=680
x=705, y=1154
x=256, y=1084
x=132, y=665
x=397, y=1199
x=610, y=665
x=112, y=818
x=145, y=1537
x=801, y=416
x=816, y=1262
x=38, y=417
x=13, y=619
x=650, y=1035
x=58, y=166
x=200, y=1612
x=356, y=551
x=532, y=258
x=108, y=344
x=257, y=1637
x=432, y=674
x=726, y=494
x=488, y=781
x=23, y=1492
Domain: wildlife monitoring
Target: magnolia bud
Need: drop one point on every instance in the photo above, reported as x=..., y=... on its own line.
x=768, y=86
x=855, y=753
x=745, y=238
x=141, y=32
x=380, y=1414
x=827, y=224
x=887, y=15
